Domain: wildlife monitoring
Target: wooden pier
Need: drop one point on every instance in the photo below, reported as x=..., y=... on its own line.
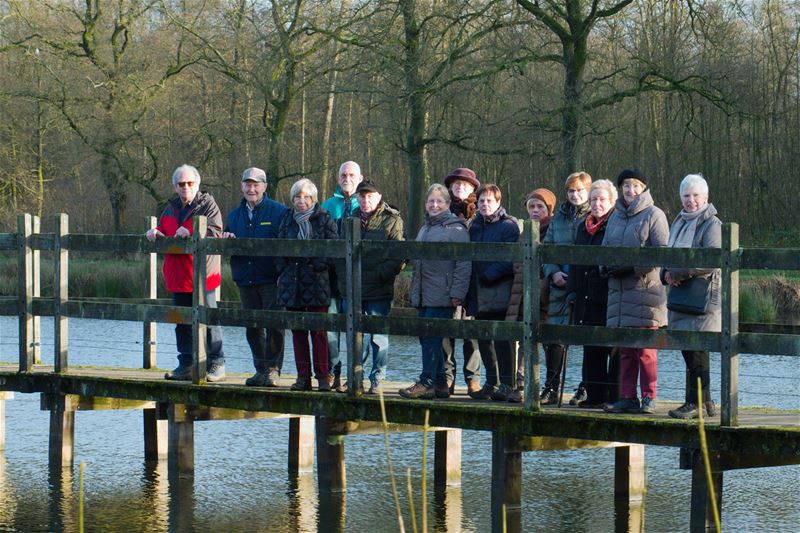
x=319, y=423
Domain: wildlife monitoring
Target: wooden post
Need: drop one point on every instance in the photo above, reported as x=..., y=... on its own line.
x=530, y=313
x=3, y=397
x=332, y=513
x=37, y=292
x=25, y=292
x=701, y=517
x=506, y=485
x=151, y=292
x=301, y=445
x=729, y=390
x=180, y=456
x=331, y=475
x=629, y=481
x=447, y=458
x=156, y=440
x=199, y=302
x=60, y=292
x=355, y=336
x=62, y=431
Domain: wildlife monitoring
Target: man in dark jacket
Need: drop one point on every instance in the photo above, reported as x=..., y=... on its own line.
x=258, y=217
x=176, y=221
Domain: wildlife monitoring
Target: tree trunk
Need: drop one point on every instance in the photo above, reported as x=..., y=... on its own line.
x=575, y=55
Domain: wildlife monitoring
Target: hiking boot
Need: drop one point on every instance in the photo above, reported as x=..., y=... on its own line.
x=273, y=378
x=259, y=379
x=579, y=396
x=711, y=409
x=548, y=397
x=325, y=384
x=337, y=384
x=685, y=411
x=301, y=384
x=473, y=387
x=624, y=405
x=484, y=393
x=501, y=394
x=181, y=373
x=648, y=406
x=418, y=391
x=442, y=390
x=374, y=387
x=517, y=395
x=215, y=372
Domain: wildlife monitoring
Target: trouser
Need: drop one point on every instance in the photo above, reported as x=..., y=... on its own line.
x=319, y=344
x=266, y=345
x=697, y=366
x=334, y=338
x=472, y=356
x=183, y=332
x=596, y=378
x=375, y=344
x=554, y=359
x=641, y=363
x=433, y=369
x=497, y=356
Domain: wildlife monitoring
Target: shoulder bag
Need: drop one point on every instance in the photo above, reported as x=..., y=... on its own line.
x=691, y=297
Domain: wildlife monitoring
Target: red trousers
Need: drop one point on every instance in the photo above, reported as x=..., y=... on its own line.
x=641, y=363
x=319, y=343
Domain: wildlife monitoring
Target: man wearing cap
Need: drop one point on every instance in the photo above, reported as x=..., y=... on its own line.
x=341, y=205
x=379, y=222
x=257, y=217
x=462, y=184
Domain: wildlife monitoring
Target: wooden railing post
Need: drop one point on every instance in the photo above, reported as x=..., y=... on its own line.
x=151, y=292
x=355, y=335
x=25, y=293
x=37, y=292
x=730, y=326
x=60, y=292
x=199, y=301
x=530, y=313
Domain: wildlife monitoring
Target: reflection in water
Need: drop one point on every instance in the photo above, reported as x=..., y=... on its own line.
x=181, y=502
x=332, y=506
x=447, y=509
x=62, y=500
x=628, y=516
x=8, y=499
x=156, y=495
x=302, y=496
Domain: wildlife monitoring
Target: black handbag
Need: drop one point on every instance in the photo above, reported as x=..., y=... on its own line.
x=691, y=297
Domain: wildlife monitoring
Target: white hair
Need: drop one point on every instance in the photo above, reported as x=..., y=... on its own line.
x=694, y=180
x=441, y=189
x=185, y=168
x=352, y=163
x=304, y=185
x=605, y=185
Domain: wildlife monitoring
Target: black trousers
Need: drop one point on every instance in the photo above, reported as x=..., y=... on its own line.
x=266, y=344
x=697, y=366
x=596, y=376
x=554, y=359
x=497, y=356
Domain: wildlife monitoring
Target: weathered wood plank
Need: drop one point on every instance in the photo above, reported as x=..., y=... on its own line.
x=277, y=319
x=149, y=328
x=462, y=329
x=506, y=499
x=180, y=455
x=301, y=444
x=199, y=301
x=447, y=458
x=62, y=433
x=729, y=340
x=769, y=258
x=42, y=241
x=663, y=339
x=335, y=248
x=531, y=314
x=37, y=292
x=77, y=402
x=354, y=335
x=60, y=294
x=25, y=292
x=8, y=241
x=616, y=255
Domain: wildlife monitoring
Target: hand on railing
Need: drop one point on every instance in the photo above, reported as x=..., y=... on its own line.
x=153, y=234
x=228, y=235
x=183, y=233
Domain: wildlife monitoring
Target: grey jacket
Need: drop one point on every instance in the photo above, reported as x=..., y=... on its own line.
x=637, y=298
x=707, y=235
x=435, y=282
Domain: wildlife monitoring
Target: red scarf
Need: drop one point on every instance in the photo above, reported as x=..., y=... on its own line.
x=593, y=224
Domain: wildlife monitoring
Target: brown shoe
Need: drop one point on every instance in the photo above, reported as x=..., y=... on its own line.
x=473, y=387
x=516, y=396
x=442, y=390
x=301, y=384
x=325, y=384
x=418, y=391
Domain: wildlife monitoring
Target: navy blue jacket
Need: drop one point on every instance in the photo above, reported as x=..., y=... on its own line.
x=490, y=284
x=255, y=270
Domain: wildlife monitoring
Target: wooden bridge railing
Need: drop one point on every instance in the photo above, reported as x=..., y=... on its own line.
x=730, y=259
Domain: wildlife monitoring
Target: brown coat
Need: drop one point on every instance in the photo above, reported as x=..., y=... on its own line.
x=514, y=312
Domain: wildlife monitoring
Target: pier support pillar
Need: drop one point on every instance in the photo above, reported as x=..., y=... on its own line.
x=301, y=445
x=330, y=457
x=506, y=484
x=180, y=457
x=629, y=472
x=156, y=440
x=447, y=458
x=702, y=516
x=3, y=397
x=62, y=432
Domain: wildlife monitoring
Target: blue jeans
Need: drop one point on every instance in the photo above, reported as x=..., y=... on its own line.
x=183, y=332
x=375, y=343
x=433, y=368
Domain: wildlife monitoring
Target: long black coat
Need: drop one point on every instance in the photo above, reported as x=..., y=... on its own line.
x=304, y=281
x=590, y=290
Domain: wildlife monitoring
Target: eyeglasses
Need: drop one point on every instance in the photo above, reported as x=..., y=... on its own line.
x=182, y=184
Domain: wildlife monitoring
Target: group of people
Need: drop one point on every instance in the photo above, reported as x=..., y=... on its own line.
x=461, y=210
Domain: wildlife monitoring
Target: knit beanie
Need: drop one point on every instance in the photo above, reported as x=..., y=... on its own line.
x=545, y=195
x=631, y=173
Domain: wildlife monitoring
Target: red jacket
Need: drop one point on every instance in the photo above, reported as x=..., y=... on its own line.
x=179, y=268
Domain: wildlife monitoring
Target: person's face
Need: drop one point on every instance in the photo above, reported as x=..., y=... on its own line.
x=600, y=202
x=186, y=187
x=368, y=201
x=349, y=178
x=488, y=204
x=537, y=209
x=577, y=194
x=693, y=199
x=461, y=189
x=436, y=203
x=631, y=188
x=302, y=201
x=253, y=191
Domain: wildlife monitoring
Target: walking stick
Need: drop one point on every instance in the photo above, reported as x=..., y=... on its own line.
x=566, y=354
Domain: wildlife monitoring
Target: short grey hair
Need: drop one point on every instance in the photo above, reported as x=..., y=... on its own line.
x=302, y=185
x=185, y=168
x=605, y=185
x=693, y=180
x=346, y=163
x=441, y=189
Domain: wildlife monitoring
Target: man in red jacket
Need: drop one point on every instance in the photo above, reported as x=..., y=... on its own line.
x=176, y=221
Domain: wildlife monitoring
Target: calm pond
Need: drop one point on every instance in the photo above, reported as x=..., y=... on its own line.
x=241, y=482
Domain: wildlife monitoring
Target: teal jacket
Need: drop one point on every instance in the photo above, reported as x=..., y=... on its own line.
x=335, y=205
